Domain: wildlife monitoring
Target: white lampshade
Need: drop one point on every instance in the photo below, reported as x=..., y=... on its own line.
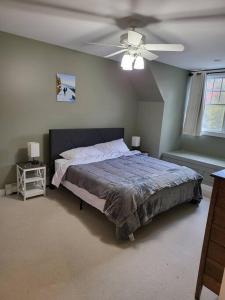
x=136, y=141
x=33, y=149
x=139, y=63
x=127, y=62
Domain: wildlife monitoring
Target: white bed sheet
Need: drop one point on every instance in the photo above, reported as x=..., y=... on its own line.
x=79, y=192
x=59, y=162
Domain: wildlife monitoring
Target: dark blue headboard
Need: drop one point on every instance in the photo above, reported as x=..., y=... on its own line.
x=64, y=139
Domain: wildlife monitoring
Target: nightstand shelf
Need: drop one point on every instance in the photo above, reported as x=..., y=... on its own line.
x=32, y=192
x=31, y=180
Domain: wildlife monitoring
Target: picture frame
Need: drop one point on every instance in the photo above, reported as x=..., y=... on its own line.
x=65, y=88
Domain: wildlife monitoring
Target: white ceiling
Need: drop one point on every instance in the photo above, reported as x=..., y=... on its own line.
x=198, y=24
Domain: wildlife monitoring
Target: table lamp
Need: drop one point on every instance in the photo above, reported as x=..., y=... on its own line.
x=136, y=142
x=33, y=151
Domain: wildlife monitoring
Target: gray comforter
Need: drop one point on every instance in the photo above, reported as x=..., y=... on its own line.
x=136, y=188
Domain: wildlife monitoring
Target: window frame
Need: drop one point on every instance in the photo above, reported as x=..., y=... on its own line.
x=215, y=133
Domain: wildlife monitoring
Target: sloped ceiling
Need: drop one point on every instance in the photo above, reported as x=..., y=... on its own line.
x=145, y=85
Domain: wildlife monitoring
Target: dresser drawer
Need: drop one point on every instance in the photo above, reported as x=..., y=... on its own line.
x=212, y=262
x=216, y=253
x=211, y=284
x=220, y=202
x=218, y=235
x=214, y=270
x=219, y=217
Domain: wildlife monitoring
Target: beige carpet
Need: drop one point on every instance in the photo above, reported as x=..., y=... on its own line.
x=49, y=249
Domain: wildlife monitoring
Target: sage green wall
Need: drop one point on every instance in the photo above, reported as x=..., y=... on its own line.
x=149, y=125
x=172, y=83
x=149, y=103
x=105, y=97
x=150, y=110
x=160, y=109
x=208, y=145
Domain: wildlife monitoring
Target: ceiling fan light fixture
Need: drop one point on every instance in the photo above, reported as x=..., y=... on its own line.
x=127, y=62
x=139, y=63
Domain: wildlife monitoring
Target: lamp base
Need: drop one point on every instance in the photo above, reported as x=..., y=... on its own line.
x=136, y=148
x=35, y=162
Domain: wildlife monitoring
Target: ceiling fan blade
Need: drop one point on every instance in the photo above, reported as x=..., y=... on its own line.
x=134, y=38
x=164, y=47
x=106, y=45
x=148, y=55
x=115, y=53
x=196, y=16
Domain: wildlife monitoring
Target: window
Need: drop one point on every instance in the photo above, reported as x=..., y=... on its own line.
x=214, y=105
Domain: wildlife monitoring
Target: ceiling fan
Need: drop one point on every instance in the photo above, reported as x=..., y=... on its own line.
x=129, y=17
x=135, y=49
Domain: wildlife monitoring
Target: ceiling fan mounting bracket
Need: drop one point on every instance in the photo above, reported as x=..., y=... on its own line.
x=135, y=21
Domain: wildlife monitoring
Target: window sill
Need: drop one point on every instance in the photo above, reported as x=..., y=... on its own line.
x=216, y=134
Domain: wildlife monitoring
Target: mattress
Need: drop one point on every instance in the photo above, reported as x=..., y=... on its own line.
x=79, y=192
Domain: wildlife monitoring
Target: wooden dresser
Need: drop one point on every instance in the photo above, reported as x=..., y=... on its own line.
x=222, y=290
x=212, y=261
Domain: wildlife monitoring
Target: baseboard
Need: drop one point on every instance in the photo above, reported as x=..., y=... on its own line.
x=2, y=192
x=10, y=188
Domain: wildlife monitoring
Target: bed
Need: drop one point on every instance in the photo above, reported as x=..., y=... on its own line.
x=130, y=189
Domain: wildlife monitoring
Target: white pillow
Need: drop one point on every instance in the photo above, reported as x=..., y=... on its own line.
x=112, y=147
x=81, y=152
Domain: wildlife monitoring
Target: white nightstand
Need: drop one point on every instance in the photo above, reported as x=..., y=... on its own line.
x=31, y=179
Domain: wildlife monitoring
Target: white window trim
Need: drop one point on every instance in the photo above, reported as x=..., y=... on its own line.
x=214, y=133
x=220, y=134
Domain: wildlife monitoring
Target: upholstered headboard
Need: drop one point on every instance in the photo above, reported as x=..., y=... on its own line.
x=64, y=139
